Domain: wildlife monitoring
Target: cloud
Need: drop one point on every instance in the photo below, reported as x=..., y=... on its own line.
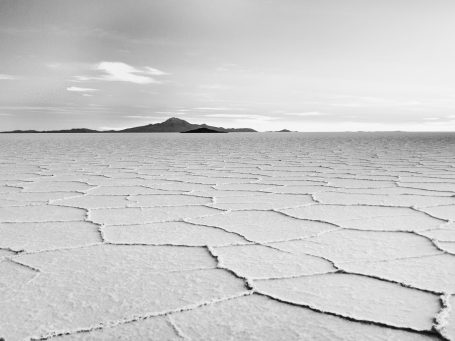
x=78, y=89
x=154, y=72
x=309, y=113
x=122, y=72
x=243, y=116
x=217, y=108
x=7, y=77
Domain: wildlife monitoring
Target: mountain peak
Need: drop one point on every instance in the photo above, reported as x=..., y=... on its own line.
x=173, y=120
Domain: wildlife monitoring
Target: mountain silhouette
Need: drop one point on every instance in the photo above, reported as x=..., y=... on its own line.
x=177, y=125
x=171, y=125
x=204, y=130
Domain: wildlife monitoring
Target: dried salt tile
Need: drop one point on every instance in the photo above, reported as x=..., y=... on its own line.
x=167, y=200
x=37, y=197
x=263, y=226
x=393, y=191
x=367, y=217
x=355, y=183
x=359, y=297
x=40, y=214
x=13, y=277
x=245, y=187
x=306, y=189
x=137, y=215
x=443, y=212
x=349, y=246
x=262, y=201
x=127, y=190
x=434, y=273
x=50, y=235
x=155, y=328
x=93, y=201
x=430, y=186
x=256, y=261
x=96, y=285
x=381, y=199
x=449, y=323
x=58, y=186
x=261, y=318
x=9, y=189
x=446, y=233
x=178, y=233
x=447, y=246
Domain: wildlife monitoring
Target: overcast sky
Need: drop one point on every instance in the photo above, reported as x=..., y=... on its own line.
x=319, y=65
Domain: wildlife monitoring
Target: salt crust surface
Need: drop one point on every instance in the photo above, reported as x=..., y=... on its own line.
x=240, y=236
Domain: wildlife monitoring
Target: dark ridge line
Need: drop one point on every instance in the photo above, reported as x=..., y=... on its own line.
x=383, y=279
x=9, y=259
x=219, y=228
x=430, y=332
x=340, y=270
x=219, y=265
x=252, y=242
x=262, y=279
x=152, y=245
x=307, y=219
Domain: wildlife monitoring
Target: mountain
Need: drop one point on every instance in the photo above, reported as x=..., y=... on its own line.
x=203, y=130
x=176, y=125
x=74, y=130
x=171, y=125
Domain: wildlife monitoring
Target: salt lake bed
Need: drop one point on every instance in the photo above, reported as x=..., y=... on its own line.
x=240, y=236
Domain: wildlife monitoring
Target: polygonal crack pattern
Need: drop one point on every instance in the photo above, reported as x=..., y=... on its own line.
x=239, y=236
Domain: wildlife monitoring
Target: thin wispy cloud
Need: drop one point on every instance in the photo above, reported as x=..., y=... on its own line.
x=122, y=72
x=217, y=108
x=78, y=89
x=242, y=116
x=155, y=72
x=308, y=113
x=7, y=77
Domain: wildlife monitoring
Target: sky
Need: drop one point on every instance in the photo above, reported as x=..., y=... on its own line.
x=319, y=65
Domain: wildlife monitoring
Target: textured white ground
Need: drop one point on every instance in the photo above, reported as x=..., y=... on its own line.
x=227, y=237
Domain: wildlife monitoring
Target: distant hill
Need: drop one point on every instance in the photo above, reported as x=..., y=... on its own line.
x=204, y=130
x=74, y=130
x=176, y=125
x=171, y=125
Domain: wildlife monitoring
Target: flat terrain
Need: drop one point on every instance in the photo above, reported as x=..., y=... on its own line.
x=227, y=236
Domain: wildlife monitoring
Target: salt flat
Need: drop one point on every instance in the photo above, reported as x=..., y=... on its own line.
x=271, y=236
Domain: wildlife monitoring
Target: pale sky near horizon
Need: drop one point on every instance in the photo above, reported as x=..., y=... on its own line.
x=320, y=65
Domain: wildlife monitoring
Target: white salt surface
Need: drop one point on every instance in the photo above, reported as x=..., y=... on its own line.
x=227, y=237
